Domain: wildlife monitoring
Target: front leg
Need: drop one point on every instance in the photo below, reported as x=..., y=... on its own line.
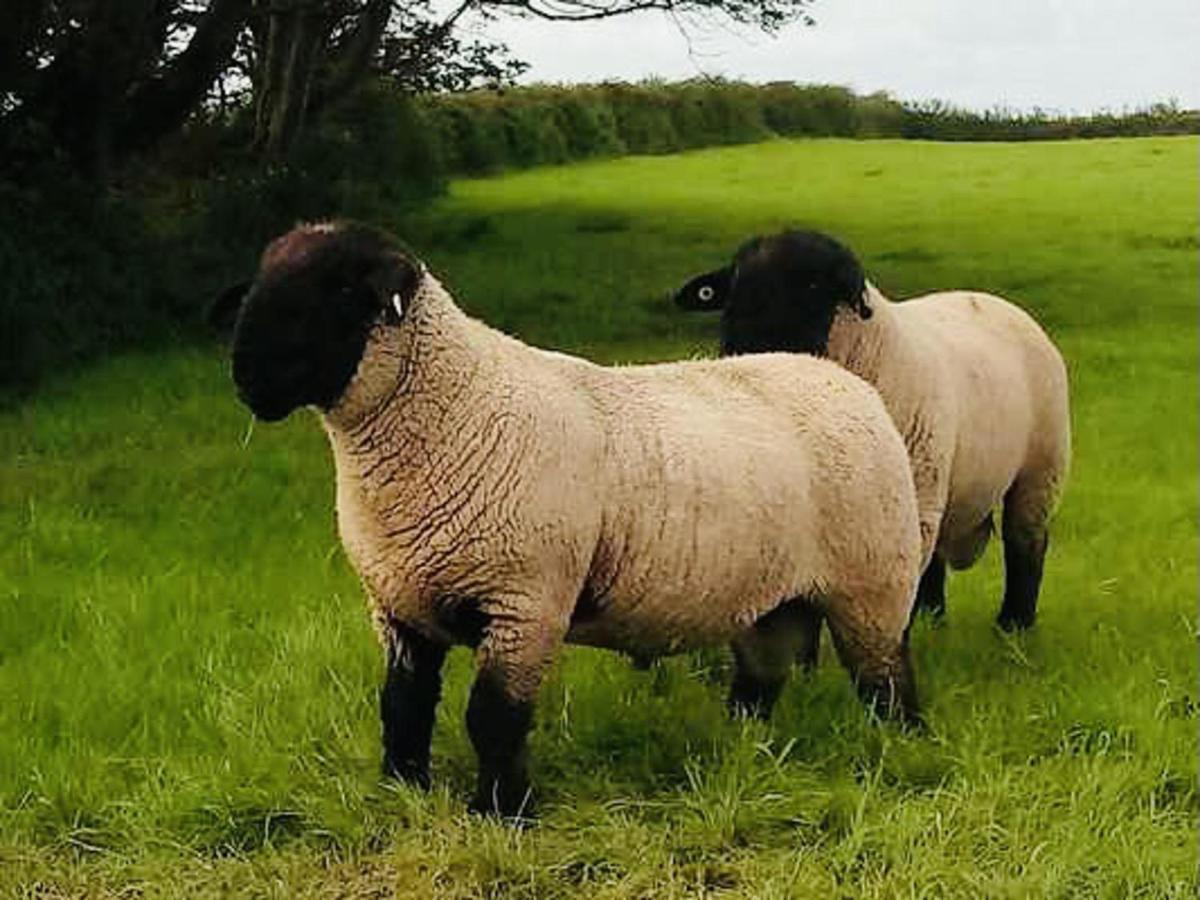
x=512, y=659
x=408, y=702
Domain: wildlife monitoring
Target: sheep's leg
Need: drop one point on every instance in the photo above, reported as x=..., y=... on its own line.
x=808, y=622
x=931, y=592
x=1025, y=540
x=408, y=702
x=764, y=654
x=876, y=654
x=512, y=659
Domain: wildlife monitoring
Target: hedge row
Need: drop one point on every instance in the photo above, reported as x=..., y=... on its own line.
x=485, y=131
x=941, y=122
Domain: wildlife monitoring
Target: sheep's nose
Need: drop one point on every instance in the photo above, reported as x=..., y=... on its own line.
x=270, y=403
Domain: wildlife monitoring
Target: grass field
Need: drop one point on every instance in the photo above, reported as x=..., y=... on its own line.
x=187, y=675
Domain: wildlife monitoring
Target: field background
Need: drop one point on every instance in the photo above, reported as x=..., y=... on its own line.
x=187, y=675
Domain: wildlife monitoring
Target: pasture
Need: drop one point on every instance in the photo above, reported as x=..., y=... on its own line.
x=188, y=677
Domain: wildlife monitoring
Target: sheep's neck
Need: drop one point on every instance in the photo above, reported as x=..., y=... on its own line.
x=433, y=378
x=865, y=346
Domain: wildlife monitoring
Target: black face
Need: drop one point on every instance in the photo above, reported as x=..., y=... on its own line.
x=783, y=291
x=303, y=324
x=706, y=292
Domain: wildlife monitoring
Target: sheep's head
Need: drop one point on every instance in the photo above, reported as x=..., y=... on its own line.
x=780, y=293
x=303, y=325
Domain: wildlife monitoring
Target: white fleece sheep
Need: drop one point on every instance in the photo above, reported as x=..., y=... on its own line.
x=496, y=495
x=976, y=388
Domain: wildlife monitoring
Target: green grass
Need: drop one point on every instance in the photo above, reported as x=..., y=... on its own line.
x=187, y=675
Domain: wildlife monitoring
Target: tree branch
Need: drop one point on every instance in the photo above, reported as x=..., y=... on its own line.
x=769, y=15
x=354, y=61
x=161, y=104
x=581, y=10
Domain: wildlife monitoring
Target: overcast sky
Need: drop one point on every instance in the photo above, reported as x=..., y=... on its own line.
x=1068, y=55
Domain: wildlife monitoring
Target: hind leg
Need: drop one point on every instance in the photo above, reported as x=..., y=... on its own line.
x=1026, y=511
x=808, y=618
x=875, y=652
x=931, y=592
x=764, y=654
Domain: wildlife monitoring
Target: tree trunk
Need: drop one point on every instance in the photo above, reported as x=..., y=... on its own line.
x=351, y=66
x=293, y=39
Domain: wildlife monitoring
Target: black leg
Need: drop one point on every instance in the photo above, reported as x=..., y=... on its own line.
x=499, y=724
x=892, y=694
x=408, y=703
x=1023, y=559
x=880, y=665
x=764, y=655
x=810, y=617
x=750, y=696
x=931, y=592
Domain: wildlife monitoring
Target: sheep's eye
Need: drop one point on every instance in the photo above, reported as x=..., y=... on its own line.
x=706, y=293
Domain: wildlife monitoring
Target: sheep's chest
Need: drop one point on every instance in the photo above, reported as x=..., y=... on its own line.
x=364, y=540
x=416, y=541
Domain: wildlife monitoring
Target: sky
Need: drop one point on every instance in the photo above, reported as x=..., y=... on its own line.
x=1058, y=55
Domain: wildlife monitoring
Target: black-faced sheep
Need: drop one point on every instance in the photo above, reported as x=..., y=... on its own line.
x=975, y=386
x=510, y=499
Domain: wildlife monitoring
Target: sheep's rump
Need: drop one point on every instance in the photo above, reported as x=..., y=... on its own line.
x=1009, y=388
x=731, y=486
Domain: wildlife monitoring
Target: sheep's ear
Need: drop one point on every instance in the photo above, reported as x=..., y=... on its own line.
x=224, y=310
x=395, y=285
x=706, y=292
x=861, y=307
x=854, y=283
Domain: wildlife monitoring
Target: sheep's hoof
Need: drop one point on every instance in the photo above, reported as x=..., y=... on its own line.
x=906, y=717
x=912, y=721
x=934, y=609
x=894, y=698
x=409, y=772
x=513, y=806
x=1020, y=620
x=643, y=663
x=751, y=698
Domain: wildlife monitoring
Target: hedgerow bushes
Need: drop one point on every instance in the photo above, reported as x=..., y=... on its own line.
x=486, y=131
x=935, y=120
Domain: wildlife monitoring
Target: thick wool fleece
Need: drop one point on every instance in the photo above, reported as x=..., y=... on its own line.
x=980, y=395
x=648, y=508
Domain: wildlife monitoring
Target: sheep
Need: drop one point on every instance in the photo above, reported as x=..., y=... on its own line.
x=974, y=385
x=511, y=499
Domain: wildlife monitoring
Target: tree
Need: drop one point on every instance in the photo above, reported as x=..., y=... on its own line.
x=107, y=79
